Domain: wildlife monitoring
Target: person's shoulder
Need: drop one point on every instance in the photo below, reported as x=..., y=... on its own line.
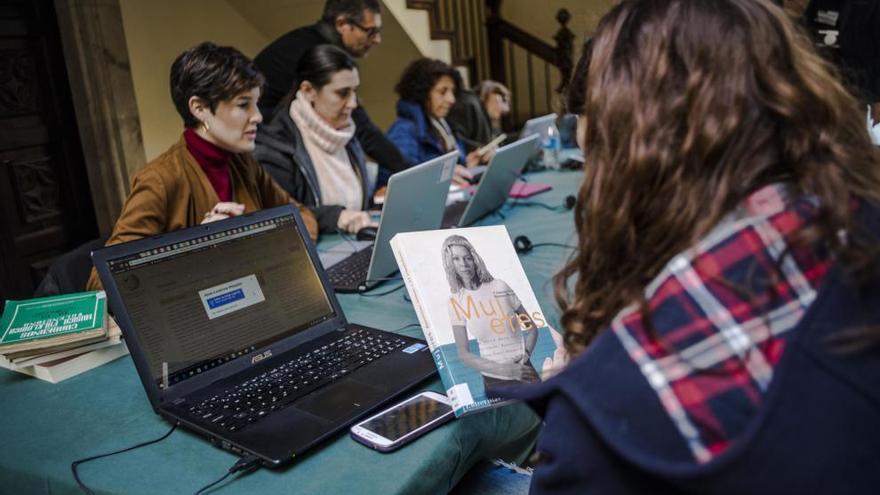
x=279, y=132
x=165, y=167
x=402, y=125
x=304, y=34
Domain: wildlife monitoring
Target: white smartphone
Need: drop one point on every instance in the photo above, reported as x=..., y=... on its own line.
x=404, y=422
x=491, y=145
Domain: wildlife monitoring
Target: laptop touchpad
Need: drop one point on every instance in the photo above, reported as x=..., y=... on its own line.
x=347, y=398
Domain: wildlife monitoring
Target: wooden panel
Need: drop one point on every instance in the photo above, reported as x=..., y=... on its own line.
x=44, y=208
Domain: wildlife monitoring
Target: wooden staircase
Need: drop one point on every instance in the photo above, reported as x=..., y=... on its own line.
x=491, y=47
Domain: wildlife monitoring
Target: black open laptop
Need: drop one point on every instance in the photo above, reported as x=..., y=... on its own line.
x=236, y=334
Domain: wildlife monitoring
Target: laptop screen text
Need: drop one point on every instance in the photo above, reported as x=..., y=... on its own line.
x=204, y=302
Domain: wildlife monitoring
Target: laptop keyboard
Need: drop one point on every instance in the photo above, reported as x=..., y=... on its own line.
x=251, y=401
x=350, y=273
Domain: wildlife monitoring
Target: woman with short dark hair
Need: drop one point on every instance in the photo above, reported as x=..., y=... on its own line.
x=309, y=147
x=209, y=173
x=427, y=90
x=722, y=310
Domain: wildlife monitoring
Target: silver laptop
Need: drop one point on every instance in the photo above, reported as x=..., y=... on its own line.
x=416, y=200
x=537, y=125
x=495, y=184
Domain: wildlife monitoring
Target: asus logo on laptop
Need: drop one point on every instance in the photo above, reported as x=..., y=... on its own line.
x=259, y=357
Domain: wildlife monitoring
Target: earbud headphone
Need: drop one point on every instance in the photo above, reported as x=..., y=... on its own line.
x=522, y=244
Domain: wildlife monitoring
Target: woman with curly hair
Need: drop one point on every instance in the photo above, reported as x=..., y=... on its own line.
x=722, y=311
x=428, y=89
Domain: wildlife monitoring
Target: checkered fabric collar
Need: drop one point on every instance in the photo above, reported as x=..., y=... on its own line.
x=720, y=313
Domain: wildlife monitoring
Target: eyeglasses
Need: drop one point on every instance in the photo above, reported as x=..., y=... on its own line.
x=372, y=32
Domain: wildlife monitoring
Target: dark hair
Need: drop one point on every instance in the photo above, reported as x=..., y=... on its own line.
x=690, y=106
x=576, y=91
x=319, y=63
x=214, y=74
x=420, y=76
x=350, y=9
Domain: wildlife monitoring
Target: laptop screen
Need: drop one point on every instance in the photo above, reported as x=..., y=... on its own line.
x=204, y=302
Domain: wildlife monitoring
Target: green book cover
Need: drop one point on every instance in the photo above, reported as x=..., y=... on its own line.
x=49, y=317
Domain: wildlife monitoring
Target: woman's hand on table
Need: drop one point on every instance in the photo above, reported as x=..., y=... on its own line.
x=223, y=210
x=461, y=176
x=353, y=220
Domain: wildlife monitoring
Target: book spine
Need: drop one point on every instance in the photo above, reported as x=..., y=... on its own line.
x=412, y=287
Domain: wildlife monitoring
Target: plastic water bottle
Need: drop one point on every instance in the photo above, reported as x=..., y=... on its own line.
x=550, y=147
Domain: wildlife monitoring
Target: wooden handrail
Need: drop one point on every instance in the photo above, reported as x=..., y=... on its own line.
x=439, y=11
x=484, y=42
x=535, y=46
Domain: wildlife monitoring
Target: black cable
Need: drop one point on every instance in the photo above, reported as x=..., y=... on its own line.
x=214, y=483
x=557, y=244
x=74, y=464
x=363, y=294
x=246, y=462
x=542, y=205
x=347, y=238
x=363, y=287
x=405, y=327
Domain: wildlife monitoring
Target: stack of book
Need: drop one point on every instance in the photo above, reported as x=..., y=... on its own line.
x=55, y=338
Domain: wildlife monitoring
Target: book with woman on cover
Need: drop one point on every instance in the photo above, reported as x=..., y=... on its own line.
x=478, y=312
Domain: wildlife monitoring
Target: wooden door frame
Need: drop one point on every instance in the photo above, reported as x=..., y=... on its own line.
x=96, y=56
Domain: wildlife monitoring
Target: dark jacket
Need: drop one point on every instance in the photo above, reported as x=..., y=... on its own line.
x=411, y=133
x=278, y=63
x=282, y=152
x=817, y=431
x=848, y=33
x=470, y=122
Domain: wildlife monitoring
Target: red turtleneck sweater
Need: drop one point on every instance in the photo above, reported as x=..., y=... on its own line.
x=214, y=162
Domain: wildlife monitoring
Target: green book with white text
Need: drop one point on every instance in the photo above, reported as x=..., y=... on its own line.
x=47, y=322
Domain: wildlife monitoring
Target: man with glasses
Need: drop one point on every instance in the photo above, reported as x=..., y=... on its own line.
x=356, y=27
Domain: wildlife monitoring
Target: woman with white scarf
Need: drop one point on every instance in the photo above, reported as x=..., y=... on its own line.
x=309, y=146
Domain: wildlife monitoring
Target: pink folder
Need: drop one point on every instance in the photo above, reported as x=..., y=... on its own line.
x=522, y=189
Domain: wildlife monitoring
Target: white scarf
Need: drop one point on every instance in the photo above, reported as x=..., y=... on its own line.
x=337, y=179
x=445, y=133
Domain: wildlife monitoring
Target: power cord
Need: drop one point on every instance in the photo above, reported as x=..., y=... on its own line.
x=74, y=464
x=557, y=244
x=405, y=327
x=567, y=204
x=522, y=244
x=363, y=287
x=378, y=294
x=247, y=462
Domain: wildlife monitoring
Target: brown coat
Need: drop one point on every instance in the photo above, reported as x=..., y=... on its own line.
x=172, y=192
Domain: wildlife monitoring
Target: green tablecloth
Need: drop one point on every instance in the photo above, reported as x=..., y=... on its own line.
x=43, y=427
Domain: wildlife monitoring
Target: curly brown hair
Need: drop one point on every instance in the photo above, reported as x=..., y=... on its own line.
x=421, y=75
x=690, y=106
